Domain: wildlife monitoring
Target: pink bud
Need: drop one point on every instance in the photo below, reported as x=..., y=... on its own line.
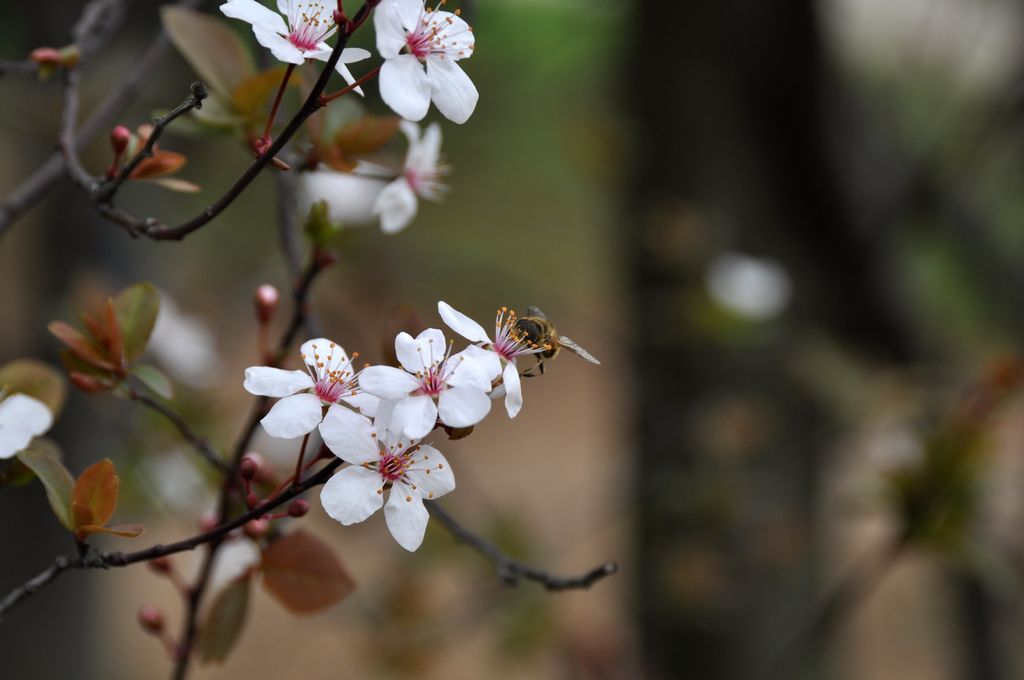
x=151, y=619
x=208, y=522
x=266, y=300
x=249, y=467
x=298, y=508
x=120, y=137
x=45, y=56
x=252, y=500
x=256, y=528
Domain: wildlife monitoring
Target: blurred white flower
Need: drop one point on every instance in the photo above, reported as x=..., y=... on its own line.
x=328, y=380
x=350, y=197
x=301, y=38
x=184, y=345
x=379, y=457
x=434, y=383
x=22, y=418
x=421, y=47
x=421, y=178
x=755, y=287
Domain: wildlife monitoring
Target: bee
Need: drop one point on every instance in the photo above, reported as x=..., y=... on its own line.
x=538, y=330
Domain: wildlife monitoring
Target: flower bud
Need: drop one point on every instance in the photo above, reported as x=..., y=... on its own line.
x=251, y=500
x=256, y=528
x=120, y=137
x=160, y=565
x=298, y=508
x=45, y=56
x=208, y=522
x=266, y=300
x=151, y=619
x=250, y=466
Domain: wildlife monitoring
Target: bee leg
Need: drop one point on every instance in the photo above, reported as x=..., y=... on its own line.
x=539, y=366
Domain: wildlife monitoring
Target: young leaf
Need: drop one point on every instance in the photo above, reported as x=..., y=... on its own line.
x=136, y=308
x=223, y=625
x=124, y=530
x=304, y=574
x=182, y=186
x=210, y=46
x=366, y=135
x=154, y=379
x=79, y=345
x=43, y=458
x=250, y=98
x=94, y=496
x=36, y=379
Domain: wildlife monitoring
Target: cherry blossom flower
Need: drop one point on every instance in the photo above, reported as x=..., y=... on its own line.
x=327, y=382
x=458, y=383
x=420, y=178
x=420, y=47
x=380, y=458
x=21, y=419
x=301, y=38
x=508, y=345
x=350, y=197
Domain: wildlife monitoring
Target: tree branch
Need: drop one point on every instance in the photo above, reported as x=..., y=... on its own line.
x=202, y=447
x=511, y=570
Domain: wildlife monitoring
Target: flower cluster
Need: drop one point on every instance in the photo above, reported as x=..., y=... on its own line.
x=376, y=418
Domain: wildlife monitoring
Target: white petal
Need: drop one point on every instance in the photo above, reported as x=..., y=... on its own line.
x=343, y=71
x=352, y=495
x=451, y=90
x=280, y=47
x=513, y=389
x=21, y=418
x=349, y=435
x=463, y=406
x=274, y=382
x=432, y=345
x=387, y=382
x=351, y=55
x=431, y=473
x=325, y=351
x=424, y=154
x=406, y=517
x=396, y=205
x=462, y=324
x=473, y=366
x=409, y=11
x=404, y=86
x=256, y=14
x=414, y=416
x=293, y=416
x=419, y=353
x=350, y=198
x=387, y=24
x=366, y=403
x=382, y=424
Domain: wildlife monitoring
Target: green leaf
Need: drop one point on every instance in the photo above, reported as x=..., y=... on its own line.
x=43, y=458
x=15, y=473
x=153, y=378
x=210, y=46
x=36, y=379
x=223, y=625
x=136, y=307
x=319, y=227
x=304, y=574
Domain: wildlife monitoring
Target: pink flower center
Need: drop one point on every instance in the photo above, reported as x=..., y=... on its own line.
x=310, y=23
x=392, y=467
x=509, y=341
x=329, y=390
x=437, y=36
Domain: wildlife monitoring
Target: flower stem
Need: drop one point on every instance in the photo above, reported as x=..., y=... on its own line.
x=326, y=99
x=298, y=463
x=277, y=101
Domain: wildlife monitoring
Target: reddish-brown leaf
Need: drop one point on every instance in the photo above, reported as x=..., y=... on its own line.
x=79, y=345
x=96, y=491
x=303, y=573
x=223, y=625
x=159, y=164
x=124, y=530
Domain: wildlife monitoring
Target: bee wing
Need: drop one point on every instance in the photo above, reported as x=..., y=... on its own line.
x=568, y=344
x=535, y=311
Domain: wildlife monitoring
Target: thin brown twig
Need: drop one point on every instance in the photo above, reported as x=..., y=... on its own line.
x=202, y=447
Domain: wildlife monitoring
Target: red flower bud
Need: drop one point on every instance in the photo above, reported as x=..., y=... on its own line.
x=151, y=619
x=120, y=137
x=47, y=56
x=298, y=508
x=256, y=528
x=249, y=467
x=252, y=500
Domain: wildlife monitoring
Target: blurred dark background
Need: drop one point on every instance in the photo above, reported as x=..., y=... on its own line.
x=790, y=231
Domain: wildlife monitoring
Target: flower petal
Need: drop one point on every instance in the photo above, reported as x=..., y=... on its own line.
x=387, y=382
x=431, y=473
x=21, y=418
x=462, y=324
x=425, y=153
x=349, y=435
x=325, y=355
x=352, y=495
x=451, y=90
x=404, y=86
x=256, y=14
x=473, y=366
x=409, y=11
x=391, y=35
x=406, y=517
x=293, y=416
x=513, y=389
x=463, y=406
x=265, y=381
x=420, y=353
x=366, y=403
x=279, y=46
x=396, y=205
x=350, y=198
x=414, y=416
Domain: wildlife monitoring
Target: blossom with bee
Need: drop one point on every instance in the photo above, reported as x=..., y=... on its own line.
x=328, y=381
x=432, y=383
x=302, y=37
x=380, y=458
x=22, y=418
x=501, y=353
x=421, y=47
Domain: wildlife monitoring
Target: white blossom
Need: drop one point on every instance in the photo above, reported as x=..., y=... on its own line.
x=434, y=383
x=509, y=343
x=351, y=198
x=421, y=178
x=381, y=458
x=302, y=37
x=328, y=381
x=22, y=418
x=421, y=47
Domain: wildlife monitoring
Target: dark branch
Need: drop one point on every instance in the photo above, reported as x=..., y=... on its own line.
x=513, y=571
x=200, y=444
